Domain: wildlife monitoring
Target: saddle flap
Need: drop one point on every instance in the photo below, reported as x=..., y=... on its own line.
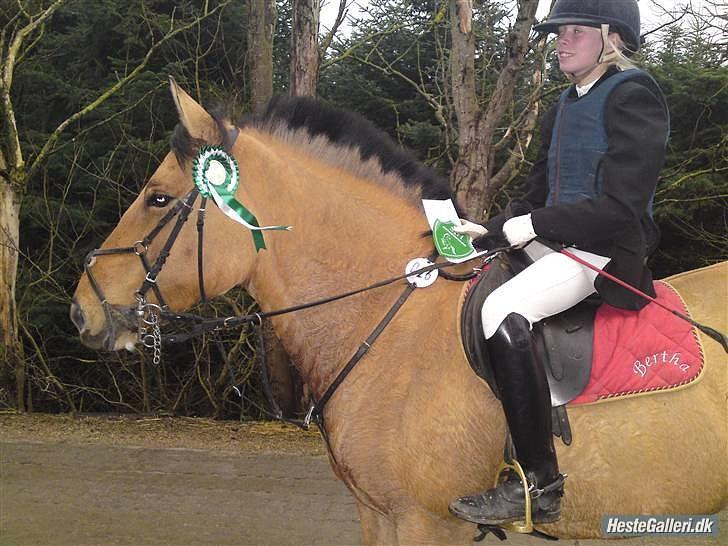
x=565, y=346
x=471, y=324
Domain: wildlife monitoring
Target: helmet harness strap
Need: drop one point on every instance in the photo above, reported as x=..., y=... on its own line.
x=607, y=56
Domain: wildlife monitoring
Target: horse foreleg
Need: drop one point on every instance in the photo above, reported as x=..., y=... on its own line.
x=376, y=529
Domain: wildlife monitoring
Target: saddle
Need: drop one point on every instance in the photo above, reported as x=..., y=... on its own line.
x=563, y=342
x=594, y=352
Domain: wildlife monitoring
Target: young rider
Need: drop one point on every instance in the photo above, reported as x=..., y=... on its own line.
x=592, y=189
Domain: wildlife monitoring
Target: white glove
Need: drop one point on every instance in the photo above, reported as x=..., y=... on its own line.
x=472, y=229
x=519, y=230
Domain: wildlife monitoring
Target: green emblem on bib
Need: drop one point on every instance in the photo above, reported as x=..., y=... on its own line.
x=449, y=243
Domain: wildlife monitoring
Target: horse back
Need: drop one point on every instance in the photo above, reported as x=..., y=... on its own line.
x=705, y=293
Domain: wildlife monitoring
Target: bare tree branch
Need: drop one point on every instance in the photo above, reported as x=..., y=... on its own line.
x=11, y=152
x=48, y=146
x=340, y=16
x=477, y=128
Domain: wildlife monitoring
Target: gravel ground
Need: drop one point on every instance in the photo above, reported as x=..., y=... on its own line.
x=103, y=480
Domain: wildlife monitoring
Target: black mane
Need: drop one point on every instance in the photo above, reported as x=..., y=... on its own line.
x=346, y=128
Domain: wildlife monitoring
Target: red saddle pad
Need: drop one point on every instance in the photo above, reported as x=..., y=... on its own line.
x=644, y=351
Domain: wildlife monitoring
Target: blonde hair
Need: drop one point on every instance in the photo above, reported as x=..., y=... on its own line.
x=616, y=56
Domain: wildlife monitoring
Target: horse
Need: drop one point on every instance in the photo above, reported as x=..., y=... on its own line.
x=412, y=426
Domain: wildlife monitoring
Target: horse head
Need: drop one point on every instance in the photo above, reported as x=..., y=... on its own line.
x=153, y=235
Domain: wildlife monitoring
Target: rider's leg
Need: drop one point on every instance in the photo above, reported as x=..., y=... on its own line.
x=527, y=406
x=553, y=286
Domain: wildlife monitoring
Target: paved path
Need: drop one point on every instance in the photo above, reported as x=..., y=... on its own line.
x=60, y=493
x=65, y=494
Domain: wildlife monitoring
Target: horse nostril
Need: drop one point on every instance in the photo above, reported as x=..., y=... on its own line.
x=77, y=316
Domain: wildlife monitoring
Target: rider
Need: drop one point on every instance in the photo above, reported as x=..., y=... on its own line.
x=592, y=188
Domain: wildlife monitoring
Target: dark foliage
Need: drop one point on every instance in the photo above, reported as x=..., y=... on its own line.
x=99, y=164
x=93, y=174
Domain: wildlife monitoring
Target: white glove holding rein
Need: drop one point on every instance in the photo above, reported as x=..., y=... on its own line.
x=470, y=228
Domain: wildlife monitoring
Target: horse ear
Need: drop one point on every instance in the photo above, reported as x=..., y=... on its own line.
x=192, y=116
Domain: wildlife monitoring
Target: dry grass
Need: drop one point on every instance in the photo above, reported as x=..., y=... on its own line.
x=161, y=432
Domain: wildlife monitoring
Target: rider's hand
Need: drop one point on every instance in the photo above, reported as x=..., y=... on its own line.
x=489, y=241
x=471, y=228
x=519, y=230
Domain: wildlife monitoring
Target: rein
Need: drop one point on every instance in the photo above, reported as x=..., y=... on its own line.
x=148, y=315
x=205, y=324
x=316, y=408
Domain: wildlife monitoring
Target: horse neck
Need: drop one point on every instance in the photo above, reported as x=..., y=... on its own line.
x=347, y=233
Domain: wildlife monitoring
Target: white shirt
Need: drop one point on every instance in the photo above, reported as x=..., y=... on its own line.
x=584, y=89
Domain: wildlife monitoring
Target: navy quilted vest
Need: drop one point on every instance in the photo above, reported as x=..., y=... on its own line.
x=579, y=140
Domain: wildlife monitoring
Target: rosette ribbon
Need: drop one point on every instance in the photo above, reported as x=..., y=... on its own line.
x=216, y=174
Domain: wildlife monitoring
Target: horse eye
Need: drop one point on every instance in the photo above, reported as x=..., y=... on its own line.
x=159, y=200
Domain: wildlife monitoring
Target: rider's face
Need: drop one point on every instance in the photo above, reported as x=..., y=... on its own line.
x=579, y=48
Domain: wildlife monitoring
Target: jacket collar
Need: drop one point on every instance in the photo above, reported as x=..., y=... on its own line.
x=611, y=71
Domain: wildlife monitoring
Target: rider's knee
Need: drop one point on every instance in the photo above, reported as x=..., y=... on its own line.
x=498, y=310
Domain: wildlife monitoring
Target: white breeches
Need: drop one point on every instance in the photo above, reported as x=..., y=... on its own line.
x=551, y=284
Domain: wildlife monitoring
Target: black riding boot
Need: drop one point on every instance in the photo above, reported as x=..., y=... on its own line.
x=527, y=406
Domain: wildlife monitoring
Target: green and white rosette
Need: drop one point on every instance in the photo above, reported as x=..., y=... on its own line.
x=216, y=174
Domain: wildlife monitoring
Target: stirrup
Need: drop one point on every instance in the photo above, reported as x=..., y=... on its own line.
x=525, y=526
x=529, y=492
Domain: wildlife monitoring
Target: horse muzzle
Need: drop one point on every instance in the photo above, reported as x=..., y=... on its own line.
x=117, y=332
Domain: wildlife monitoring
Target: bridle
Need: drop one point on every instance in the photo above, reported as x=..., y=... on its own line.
x=147, y=313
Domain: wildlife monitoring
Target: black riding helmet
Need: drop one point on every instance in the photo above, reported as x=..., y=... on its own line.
x=622, y=16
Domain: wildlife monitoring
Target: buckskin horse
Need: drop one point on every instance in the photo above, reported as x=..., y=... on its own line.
x=412, y=426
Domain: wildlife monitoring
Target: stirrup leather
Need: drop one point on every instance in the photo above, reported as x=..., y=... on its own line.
x=529, y=492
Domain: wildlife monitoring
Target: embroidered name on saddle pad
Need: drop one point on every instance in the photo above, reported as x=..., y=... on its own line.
x=642, y=352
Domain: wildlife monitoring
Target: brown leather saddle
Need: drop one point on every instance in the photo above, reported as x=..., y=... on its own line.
x=564, y=342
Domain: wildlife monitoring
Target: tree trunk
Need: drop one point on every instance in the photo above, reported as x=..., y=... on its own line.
x=305, y=58
x=281, y=373
x=473, y=170
x=11, y=353
x=261, y=27
x=285, y=382
x=305, y=62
